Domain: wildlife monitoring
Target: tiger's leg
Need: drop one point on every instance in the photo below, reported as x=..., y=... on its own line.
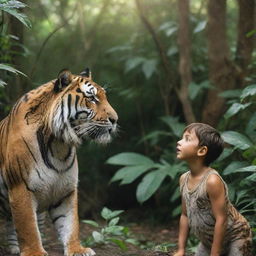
x=12, y=239
x=241, y=247
x=25, y=221
x=41, y=223
x=64, y=215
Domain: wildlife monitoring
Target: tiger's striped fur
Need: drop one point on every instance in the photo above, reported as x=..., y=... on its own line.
x=38, y=164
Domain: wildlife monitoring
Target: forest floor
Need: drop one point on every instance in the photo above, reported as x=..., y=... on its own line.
x=145, y=234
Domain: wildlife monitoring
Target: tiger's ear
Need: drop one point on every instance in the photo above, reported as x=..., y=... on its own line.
x=86, y=73
x=63, y=80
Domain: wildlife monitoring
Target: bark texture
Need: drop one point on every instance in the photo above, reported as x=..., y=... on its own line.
x=221, y=69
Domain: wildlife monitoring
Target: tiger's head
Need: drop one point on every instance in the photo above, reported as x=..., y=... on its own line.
x=81, y=109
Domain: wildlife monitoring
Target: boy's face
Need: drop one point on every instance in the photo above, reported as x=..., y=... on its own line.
x=187, y=147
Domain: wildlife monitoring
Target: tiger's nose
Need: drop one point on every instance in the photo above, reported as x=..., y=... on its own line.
x=112, y=120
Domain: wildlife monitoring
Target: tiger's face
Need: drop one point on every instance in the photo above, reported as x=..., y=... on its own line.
x=82, y=110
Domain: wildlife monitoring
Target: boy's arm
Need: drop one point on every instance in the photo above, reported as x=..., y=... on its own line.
x=216, y=192
x=183, y=227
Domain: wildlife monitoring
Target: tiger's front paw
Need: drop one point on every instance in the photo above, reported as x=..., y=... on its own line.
x=81, y=251
x=33, y=253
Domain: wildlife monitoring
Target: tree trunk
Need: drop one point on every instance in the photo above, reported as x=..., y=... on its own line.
x=184, y=61
x=182, y=93
x=244, y=43
x=221, y=69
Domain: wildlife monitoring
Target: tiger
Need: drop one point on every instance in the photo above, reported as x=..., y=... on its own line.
x=38, y=161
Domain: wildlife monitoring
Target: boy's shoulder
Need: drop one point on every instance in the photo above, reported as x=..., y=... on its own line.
x=215, y=181
x=183, y=176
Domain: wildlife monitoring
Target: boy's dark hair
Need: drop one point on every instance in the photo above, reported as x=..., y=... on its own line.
x=209, y=137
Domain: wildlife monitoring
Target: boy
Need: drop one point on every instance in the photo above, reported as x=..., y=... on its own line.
x=206, y=209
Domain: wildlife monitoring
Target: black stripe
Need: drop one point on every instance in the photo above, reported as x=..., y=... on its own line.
x=43, y=149
x=22, y=177
x=29, y=150
x=62, y=111
x=58, y=217
x=61, y=200
x=69, y=104
x=77, y=100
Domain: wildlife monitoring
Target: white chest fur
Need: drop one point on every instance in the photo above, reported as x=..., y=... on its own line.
x=49, y=186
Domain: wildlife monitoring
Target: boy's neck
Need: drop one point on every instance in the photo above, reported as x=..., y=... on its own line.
x=198, y=168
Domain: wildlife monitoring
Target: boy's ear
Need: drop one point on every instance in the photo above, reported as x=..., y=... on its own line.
x=202, y=151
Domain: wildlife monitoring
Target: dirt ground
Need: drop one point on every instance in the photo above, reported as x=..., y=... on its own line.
x=144, y=233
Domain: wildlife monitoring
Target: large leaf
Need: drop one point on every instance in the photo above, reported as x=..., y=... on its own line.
x=11, y=4
x=235, y=108
x=251, y=127
x=150, y=183
x=226, y=153
x=176, y=127
x=231, y=93
x=129, y=158
x=233, y=167
x=200, y=26
x=133, y=63
x=98, y=237
x=248, y=91
x=10, y=69
x=237, y=139
x=251, y=168
x=149, y=67
x=130, y=173
x=107, y=214
x=193, y=89
x=2, y=83
x=20, y=16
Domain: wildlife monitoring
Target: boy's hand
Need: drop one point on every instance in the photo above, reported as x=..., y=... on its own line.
x=179, y=253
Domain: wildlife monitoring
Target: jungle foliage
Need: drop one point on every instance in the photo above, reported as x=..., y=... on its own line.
x=137, y=48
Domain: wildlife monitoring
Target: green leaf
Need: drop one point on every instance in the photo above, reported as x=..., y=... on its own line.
x=149, y=67
x=248, y=91
x=231, y=93
x=10, y=69
x=133, y=63
x=233, y=167
x=150, y=183
x=129, y=158
x=107, y=214
x=251, y=33
x=172, y=51
x=91, y=222
x=114, y=221
x=237, y=139
x=121, y=244
x=251, y=168
x=98, y=237
x=170, y=31
x=20, y=16
x=235, y=108
x=226, y=153
x=176, y=127
x=193, y=90
x=2, y=83
x=251, y=178
x=114, y=230
x=130, y=173
x=11, y=4
x=177, y=211
x=251, y=127
x=200, y=26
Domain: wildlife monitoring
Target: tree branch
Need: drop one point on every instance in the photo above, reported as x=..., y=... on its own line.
x=182, y=93
x=46, y=41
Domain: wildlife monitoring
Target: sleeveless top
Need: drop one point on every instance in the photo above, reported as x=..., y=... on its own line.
x=201, y=218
